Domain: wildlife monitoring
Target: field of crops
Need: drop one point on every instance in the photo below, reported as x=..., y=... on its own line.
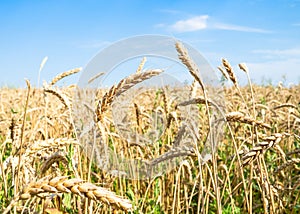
x=255, y=168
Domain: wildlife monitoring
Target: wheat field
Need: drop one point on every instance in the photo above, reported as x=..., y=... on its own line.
x=254, y=169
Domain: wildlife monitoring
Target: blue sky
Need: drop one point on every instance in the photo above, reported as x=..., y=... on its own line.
x=264, y=34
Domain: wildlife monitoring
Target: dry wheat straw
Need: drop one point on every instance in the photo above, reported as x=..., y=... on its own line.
x=64, y=74
x=46, y=185
x=16, y=188
x=285, y=105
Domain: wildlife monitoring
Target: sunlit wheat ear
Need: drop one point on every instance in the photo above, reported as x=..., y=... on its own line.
x=124, y=85
x=240, y=117
x=47, y=186
x=224, y=73
x=261, y=147
x=230, y=72
x=244, y=67
x=141, y=65
x=189, y=63
x=56, y=92
x=64, y=74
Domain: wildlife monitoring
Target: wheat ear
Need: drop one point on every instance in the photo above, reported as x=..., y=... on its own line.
x=64, y=74
x=240, y=117
x=141, y=66
x=121, y=87
x=230, y=72
x=63, y=98
x=46, y=185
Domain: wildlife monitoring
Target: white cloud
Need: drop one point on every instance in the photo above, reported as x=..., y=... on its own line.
x=203, y=22
x=189, y=25
x=222, y=26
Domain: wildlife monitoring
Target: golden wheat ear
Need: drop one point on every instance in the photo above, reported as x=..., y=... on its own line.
x=47, y=185
x=64, y=74
x=124, y=85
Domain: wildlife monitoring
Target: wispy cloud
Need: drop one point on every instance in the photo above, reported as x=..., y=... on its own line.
x=277, y=53
x=189, y=25
x=222, y=26
x=202, y=22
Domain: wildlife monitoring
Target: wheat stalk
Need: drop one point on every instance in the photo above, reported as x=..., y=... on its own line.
x=95, y=77
x=285, y=105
